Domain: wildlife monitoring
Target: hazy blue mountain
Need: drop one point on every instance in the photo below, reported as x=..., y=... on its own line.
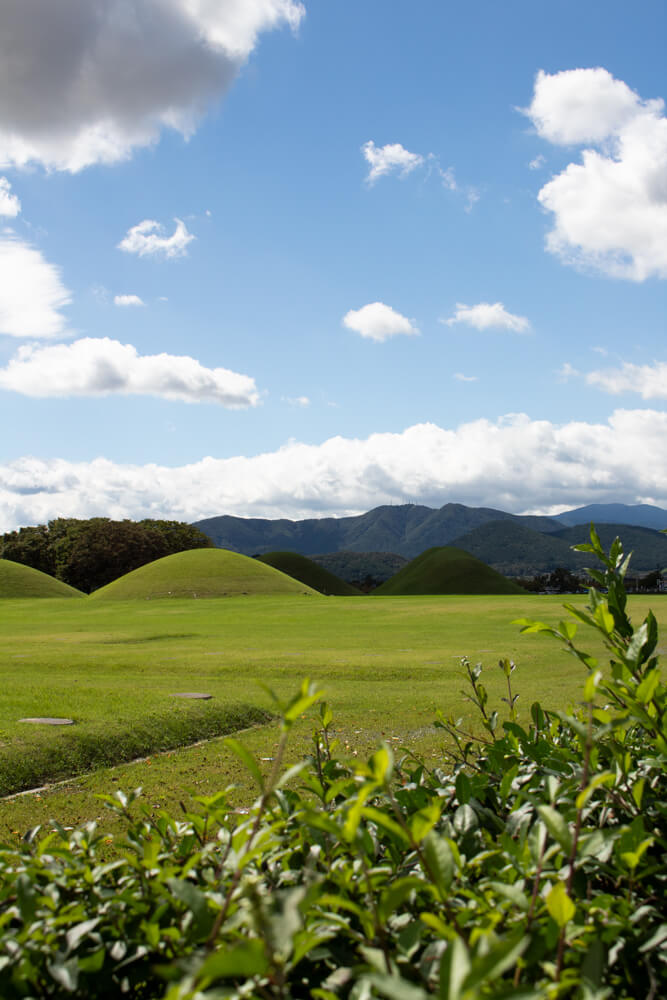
x=406, y=529
x=643, y=515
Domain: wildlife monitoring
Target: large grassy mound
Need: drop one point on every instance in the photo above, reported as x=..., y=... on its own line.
x=200, y=573
x=306, y=571
x=447, y=570
x=17, y=580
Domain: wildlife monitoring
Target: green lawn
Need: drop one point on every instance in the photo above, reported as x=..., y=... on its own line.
x=386, y=664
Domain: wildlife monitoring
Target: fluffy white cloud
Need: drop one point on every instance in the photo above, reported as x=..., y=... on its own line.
x=514, y=463
x=9, y=203
x=392, y=158
x=31, y=292
x=610, y=210
x=487, y=316
x=537, y=163
x=376, y=321
x=87, y=81
x=146, y=238
x=127, y=300
x=101, y=367
x=650, y=381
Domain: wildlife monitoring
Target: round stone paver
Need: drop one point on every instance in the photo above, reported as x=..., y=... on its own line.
x=49, y=721
x=192, y=694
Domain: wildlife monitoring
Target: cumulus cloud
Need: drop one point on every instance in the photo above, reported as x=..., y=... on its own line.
x=566, y=372
x=513, y=463
x=88, y=81
x=487, y=316
x=460, y=377
x=127, y=300
x=31, y=292
x=376, y=321
x=147, y=239
x=102, y=367
x=9, y=203
x=392, y=158
x=610, y=209
x=297, y=400
x=537, y=163
x=650, y=381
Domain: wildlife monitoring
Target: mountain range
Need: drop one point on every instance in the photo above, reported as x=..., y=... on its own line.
x=513, y=544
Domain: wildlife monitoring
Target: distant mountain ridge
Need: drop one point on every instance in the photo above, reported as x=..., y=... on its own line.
x=513, y=544
x=405, y=529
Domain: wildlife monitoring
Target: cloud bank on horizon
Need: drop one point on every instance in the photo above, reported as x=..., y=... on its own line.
x=245, y=236
x=514, y=464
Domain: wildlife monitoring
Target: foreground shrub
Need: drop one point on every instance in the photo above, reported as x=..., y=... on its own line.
x=532, y=866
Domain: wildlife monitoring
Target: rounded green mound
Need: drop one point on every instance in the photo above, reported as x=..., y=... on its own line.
x=447, y=570
x=306, y=571
x=200, y=573
x=17, y=580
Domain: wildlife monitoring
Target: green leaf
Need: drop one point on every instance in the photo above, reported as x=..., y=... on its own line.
x=465, y=819
x=463, y=788
x=487, y=968
x=382, y=819
x=79, y=931
x=440, y=860
x=557, y=827
x=26, y=898
x=240, y=961
x=454, y=968
x=66, y=974
x=396, y=988
x=421, y=823
x=559, y=904
x=195, y=900
x=396, y=894
x=246, y=759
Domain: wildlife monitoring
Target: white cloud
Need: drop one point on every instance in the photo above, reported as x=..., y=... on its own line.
x=460, y=377
x=103, y=367
x=297, y=400
x=650, y=381
x=31, y=292
x=567, y=371
x=376, y=321
x=88, y=82
x=487, y=316
x=146, y=238
x=513, y=463
x=610, y=210
x=392, y=158
x=9, y=203
x=537, y=163
x=127, y=300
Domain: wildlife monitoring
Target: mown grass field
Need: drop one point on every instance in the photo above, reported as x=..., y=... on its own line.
x=386, y=664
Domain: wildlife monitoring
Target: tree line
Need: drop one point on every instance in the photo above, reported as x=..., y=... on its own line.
x=87, y=554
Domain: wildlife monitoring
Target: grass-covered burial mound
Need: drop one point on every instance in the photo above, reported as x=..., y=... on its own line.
x=447, y=570
x=201, y=573
x=306, y=571
x=17, y=580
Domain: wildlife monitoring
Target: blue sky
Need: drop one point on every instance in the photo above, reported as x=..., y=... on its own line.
x=272, y=258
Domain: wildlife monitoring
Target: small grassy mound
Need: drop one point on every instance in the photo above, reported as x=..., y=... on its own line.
x=17, y=580
x=200, y=573
x=447, y=570
x=306, y=571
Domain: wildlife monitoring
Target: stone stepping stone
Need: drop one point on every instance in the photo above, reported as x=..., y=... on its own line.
x=192, y=694
x=49, y=721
